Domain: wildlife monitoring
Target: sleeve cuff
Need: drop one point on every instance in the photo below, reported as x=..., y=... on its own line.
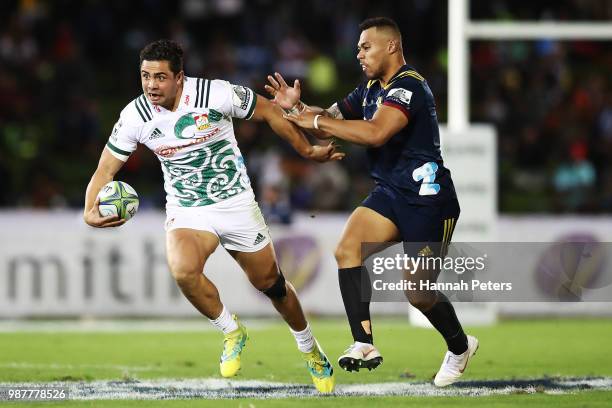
x=399, y=107
x=118, y=153
x=252, y=108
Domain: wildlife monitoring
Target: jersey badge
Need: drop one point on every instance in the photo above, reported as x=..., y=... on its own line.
x=400, y=95
x=240, y=97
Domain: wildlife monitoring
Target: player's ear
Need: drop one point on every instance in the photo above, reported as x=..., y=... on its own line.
x=393, y=46
x=180, y=76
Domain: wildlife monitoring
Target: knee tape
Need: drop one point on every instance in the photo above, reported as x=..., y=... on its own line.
x=278, y=290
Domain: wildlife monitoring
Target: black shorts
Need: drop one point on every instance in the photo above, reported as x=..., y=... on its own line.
x=429, y=224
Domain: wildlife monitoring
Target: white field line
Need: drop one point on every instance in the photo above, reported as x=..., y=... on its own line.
x=212, y=388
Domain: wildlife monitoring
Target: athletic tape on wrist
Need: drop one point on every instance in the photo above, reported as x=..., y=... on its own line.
x=295, y=110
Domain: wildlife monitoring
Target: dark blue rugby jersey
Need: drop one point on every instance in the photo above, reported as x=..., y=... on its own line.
x=410, y=162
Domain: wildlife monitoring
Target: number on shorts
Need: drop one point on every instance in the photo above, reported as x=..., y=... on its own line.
x=427, y=173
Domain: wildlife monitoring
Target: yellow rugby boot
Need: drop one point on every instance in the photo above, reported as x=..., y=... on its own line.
x=233, y=343
x=320, y=369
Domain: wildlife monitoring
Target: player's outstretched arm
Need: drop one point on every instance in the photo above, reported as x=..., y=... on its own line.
x=375, y=132
x=273, y=115
x=288, y=98
x=108, y=166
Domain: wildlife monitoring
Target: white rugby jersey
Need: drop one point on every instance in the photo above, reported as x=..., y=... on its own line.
x=195, y=144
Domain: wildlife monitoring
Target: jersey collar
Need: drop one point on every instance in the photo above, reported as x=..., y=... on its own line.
x=403, y=68
x=399, y=71
x=377, y=81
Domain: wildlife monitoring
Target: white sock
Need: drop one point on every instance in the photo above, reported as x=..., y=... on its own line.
x=224, y=322
x=305, y=340
x=362, y=345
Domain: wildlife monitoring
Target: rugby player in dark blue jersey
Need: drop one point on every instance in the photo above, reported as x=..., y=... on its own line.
x=393, y=114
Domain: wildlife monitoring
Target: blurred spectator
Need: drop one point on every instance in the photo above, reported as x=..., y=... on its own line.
x=574, y=178
x=294, y=51
x=67, y=71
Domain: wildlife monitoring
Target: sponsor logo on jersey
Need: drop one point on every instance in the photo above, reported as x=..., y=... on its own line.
x=399, y=95
x=115, y=132
x=156, y=134
x=187, y=100
x=193, y=125
x=365, y=103
x=169, y=151
x=241, y=97
x=201, y=121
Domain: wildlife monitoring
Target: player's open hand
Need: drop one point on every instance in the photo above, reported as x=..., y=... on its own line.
x=304, y=120
x=326, y=153
x=284, y=95
x=93, y=218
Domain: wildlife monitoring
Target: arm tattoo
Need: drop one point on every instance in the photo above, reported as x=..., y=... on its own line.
x=334, y=112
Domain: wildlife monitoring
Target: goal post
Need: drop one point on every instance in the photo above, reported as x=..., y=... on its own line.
x=461, y=29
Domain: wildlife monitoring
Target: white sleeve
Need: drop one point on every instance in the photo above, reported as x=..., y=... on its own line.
x=123, y=139
x=236, y=100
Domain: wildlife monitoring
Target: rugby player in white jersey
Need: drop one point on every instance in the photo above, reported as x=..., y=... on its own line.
x=187, y=123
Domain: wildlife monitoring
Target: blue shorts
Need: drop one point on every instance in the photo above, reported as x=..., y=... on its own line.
x=416, y=223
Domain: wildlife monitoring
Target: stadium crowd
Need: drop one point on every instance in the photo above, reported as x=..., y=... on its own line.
x=68, y=68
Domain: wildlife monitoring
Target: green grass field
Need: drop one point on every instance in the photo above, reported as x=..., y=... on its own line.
x=510, y=350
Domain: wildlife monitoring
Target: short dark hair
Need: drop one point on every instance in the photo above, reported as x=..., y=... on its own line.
x=164, y=50
x=379, y=22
